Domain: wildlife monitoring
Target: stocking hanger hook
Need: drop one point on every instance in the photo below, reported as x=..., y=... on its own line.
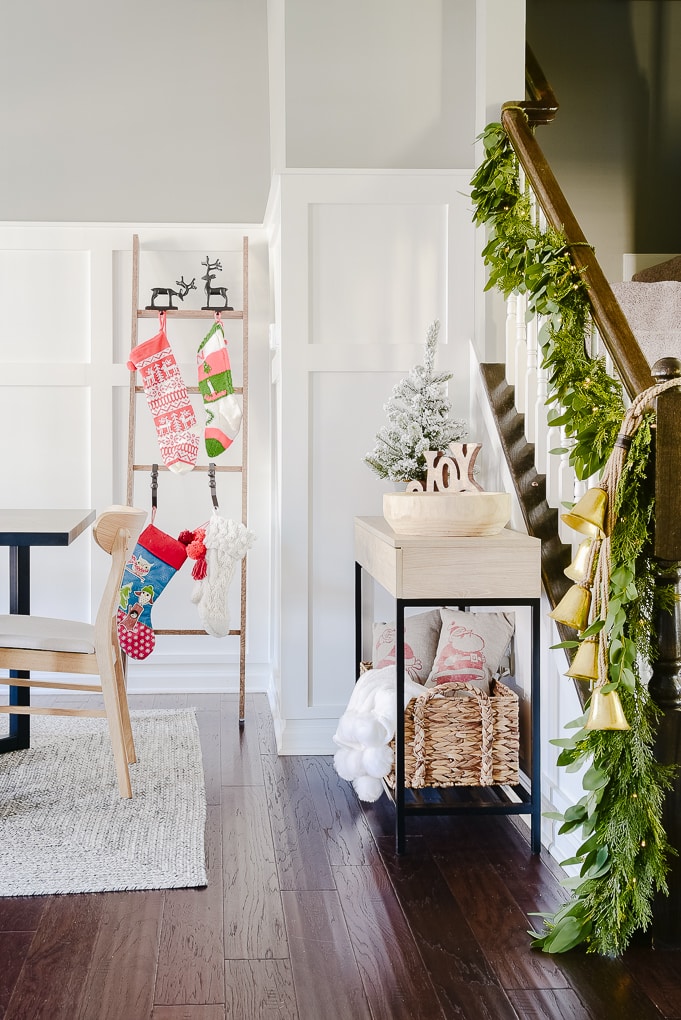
x=154, y=490
x=211, y=483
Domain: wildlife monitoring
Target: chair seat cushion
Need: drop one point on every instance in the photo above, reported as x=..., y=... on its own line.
x=46, y=634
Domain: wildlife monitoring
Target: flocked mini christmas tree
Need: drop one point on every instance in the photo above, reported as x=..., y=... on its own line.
x=418, y=420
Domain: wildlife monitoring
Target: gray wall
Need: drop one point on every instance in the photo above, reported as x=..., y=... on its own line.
x=387, y=83
x=136, y=110
x=616, y=143
x=150, y=111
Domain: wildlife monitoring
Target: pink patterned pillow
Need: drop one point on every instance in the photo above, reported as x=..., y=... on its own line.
x=471, y=647
x=421, y=633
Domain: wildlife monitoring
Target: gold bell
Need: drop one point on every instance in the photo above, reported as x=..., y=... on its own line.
x=585, y=663
x=606, y=712
x=573, y=608
x=577, y=571
x=588, y=514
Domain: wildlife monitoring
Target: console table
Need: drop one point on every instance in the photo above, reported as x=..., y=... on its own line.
x=495, y=570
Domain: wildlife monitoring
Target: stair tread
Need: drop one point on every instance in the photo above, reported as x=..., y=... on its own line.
x=541, y=520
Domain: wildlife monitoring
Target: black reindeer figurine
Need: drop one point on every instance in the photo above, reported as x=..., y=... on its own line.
x=214, y=291
x=170, y=294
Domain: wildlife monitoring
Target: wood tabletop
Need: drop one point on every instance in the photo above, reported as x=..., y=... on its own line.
x=43, y=527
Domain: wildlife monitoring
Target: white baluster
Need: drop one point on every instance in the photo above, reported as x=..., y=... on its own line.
x=541, y=428
x=510, y=338
x=593, y=345
x=531, y=380
x=566, y=490
x=520, y=354
x=553, y=463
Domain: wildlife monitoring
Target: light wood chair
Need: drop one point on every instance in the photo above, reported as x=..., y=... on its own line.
x=66, y=646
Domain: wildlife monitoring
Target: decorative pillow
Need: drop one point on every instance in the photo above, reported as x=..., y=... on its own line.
x=471, y=647
x=421, y=635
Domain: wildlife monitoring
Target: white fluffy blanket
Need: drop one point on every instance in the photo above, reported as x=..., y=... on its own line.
x=366, y=728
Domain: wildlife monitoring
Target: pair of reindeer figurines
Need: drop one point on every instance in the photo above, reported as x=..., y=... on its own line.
x=184, y=288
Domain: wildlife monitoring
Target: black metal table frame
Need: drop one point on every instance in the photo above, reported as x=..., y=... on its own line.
x=530, y=802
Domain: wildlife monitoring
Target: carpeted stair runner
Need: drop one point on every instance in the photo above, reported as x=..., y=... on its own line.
x=653, y=311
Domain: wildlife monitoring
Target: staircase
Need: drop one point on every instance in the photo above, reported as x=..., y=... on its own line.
x=637, y=328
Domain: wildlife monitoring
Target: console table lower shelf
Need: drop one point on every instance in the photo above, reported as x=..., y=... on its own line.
x=501, y=570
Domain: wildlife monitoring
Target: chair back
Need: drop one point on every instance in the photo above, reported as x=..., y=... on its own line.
x=116, y=530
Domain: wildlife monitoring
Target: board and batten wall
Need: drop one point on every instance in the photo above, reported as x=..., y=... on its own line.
x=362, y=263
x=65, y=295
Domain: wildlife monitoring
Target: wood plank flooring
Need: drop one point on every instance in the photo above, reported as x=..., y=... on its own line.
x=310, y=915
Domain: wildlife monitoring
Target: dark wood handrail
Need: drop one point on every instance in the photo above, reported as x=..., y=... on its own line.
x=542, y=105
x=615, y=331
x=518, y=119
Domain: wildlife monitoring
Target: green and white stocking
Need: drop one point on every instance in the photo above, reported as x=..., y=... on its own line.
x=223, y=413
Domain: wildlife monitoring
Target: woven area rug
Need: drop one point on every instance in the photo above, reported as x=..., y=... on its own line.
x=65, y=829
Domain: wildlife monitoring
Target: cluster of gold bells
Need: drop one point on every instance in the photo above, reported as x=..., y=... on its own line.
x=588, y=517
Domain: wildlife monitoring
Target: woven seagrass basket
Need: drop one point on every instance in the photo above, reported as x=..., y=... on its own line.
x=457, y=735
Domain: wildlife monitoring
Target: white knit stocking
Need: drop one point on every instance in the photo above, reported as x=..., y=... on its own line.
x=226, y=544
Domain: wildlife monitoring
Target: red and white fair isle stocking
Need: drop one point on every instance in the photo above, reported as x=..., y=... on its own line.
x=154, y=561
x=168, y=400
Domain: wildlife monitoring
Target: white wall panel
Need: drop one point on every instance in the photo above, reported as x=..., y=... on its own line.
x=344, y=418
x=377, y=272
x=46, y=447
x=45, y=307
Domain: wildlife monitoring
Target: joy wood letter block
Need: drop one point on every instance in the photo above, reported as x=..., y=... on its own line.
x=450, y=473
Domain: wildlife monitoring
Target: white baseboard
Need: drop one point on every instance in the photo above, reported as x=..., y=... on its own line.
x=305, y=736
x=171, y=675
x=168, y=675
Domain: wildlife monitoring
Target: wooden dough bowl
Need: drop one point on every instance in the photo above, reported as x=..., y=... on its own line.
x=447, y=514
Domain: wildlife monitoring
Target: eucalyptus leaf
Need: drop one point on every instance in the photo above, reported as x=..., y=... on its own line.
x=594, y=779
x=577, y=723
x=594, y=628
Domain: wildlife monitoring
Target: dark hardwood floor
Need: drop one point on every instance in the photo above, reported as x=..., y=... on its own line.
x=309, y=914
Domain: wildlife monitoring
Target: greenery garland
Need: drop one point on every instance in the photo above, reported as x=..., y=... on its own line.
x=623, y=859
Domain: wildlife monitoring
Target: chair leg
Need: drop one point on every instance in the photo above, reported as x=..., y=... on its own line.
x=116, y=729
x=122, y=693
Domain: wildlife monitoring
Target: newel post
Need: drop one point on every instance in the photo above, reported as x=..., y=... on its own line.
x=665, y=683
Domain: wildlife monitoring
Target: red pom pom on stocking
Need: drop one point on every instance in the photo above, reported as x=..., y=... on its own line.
x=196, y=550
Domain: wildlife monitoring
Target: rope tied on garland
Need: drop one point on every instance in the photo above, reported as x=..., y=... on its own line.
x=610, y=480
x=579, y=244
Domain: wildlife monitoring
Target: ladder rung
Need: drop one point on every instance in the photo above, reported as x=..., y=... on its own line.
x=201, y=632
x=191, y=389
x=187, y=313
x=236, y=468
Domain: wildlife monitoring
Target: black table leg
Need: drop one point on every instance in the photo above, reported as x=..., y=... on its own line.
x=535, y=816
x=358, y=618
x=19, y=602
x=400, y=840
